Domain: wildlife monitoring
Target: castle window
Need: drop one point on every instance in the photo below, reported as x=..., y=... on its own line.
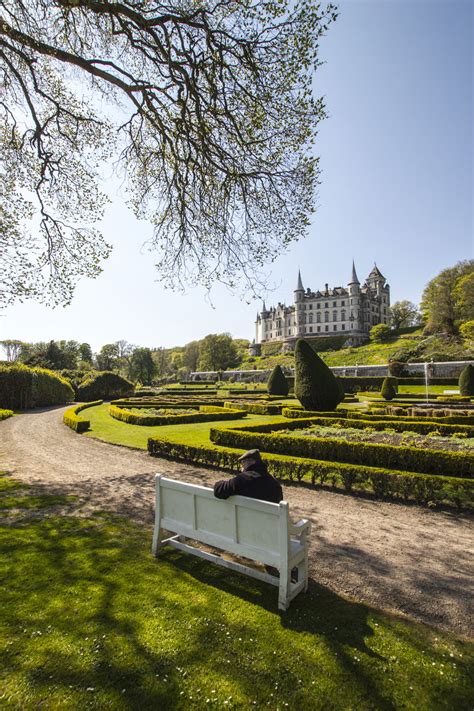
x=343, y=303
x=334, y=303
x=334, y=328
x=326, y=316
x=343, y=326
x=343, y=315
x=311, y=329
x=334, y=315
x=319, y=329
x=311, y=306
x=318, y=306
x=326, y=328
x=311, y=318
x=326, y=305
x=318, y=318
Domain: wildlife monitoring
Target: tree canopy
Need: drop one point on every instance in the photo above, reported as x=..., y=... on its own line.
x=404, y=313
x=449, y=298
x=206, y=108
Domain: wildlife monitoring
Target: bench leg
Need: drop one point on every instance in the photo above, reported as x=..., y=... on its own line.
x=284, y=589
x=157, y=538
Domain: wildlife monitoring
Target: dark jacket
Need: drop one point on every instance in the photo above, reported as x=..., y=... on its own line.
x=254, y=482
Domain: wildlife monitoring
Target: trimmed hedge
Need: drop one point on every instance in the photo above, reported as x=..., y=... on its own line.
x=71, y=417
x=293, y=413
x=428, y=461
x=209, y=414
x=4, y=414
x=105, y=385
x=277, y=383
x=22, y=387
x=256, y=408
x=418, y=426
x=424, y=489
x=353, y=384
x=168, y=404
x=466, y=381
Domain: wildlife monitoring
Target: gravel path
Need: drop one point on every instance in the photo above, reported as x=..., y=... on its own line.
x=404, y=559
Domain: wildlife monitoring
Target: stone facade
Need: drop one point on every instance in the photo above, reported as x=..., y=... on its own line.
x=349, y=311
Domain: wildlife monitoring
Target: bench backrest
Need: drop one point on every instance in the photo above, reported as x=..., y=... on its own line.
x=255, y=529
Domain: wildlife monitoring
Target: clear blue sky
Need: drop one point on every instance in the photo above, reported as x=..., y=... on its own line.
x=397, y=186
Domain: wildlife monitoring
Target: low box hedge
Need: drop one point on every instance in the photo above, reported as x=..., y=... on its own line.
x=209, y=414
x=418, y=426
x=179, y=403
x=428, y=461
x=4, y=414
x=424, y=489
x=256, y=408
x=71, y=417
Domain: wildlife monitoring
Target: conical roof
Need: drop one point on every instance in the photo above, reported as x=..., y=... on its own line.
x=299, y=286
x=354, y=279
x=376, y=272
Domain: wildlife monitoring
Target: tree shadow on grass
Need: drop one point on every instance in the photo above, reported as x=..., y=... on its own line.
x=92, y=619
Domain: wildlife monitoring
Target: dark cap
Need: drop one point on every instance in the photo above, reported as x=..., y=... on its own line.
x=251, y=454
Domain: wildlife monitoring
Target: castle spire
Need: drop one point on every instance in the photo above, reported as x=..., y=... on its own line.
x=354, y=279
x=299, y=286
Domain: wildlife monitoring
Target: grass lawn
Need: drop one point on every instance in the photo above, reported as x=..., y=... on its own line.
x=91, y=620
x=106, y=428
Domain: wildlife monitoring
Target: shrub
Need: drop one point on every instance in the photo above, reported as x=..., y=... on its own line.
x=256, y=408
x=315, y=385
x=22, y=387
x=105, y=386
x=466, y=381
x=466, y=330
x=396, y=368
x=4, y=414
x=380, y=333
x=389, y=388
x=277, y=383
x=71, y=417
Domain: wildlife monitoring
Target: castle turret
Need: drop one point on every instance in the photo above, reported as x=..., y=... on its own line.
x=299, y=307
x=354, y=301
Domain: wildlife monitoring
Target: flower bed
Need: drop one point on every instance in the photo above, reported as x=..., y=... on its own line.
x=206, y=413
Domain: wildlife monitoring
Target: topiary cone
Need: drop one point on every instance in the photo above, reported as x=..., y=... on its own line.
x=277, y=383
x=389, y=390
x=315, y=385
x=466, y=381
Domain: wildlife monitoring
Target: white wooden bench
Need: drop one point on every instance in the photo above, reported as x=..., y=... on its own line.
x=254, y=529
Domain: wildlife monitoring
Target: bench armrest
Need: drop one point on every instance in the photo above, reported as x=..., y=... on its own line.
x=303, y=527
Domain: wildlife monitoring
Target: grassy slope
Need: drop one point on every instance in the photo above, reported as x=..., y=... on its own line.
x=378, y=353
x=91, y=620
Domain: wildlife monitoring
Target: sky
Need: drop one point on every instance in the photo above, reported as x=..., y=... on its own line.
x=396, y=155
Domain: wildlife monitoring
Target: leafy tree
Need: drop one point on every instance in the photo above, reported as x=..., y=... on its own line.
x=444, y=298
x=464, y=295
x=277, y=383
x=85, y=352
x=107, y=359
x=161, y=359
x=316, y=386
x=12, y=349
x=191, y=355
x=217, y=352
x=404, y=313
x=379, y=333
x=142, y=366
x=207, y=107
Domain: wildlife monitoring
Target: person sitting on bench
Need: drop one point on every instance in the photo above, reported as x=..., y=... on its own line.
x=254, y=481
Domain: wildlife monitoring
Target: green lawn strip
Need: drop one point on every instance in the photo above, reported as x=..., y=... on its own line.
x=91, y=620
x=104, y=427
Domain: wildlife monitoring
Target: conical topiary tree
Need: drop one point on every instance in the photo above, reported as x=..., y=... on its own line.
x=277, y=383
x=315, y=385
x=466, y=381
x=389, y=388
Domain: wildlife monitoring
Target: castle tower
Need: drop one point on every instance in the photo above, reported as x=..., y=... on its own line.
x=355, y=300
x=376, y=280
x=299, y=307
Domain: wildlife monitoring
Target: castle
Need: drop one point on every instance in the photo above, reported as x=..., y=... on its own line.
x=340, y=311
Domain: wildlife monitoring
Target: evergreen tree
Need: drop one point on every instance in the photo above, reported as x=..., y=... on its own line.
x=389, y=388
x=315, y=385
x=277, y=383
x=466, y=381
